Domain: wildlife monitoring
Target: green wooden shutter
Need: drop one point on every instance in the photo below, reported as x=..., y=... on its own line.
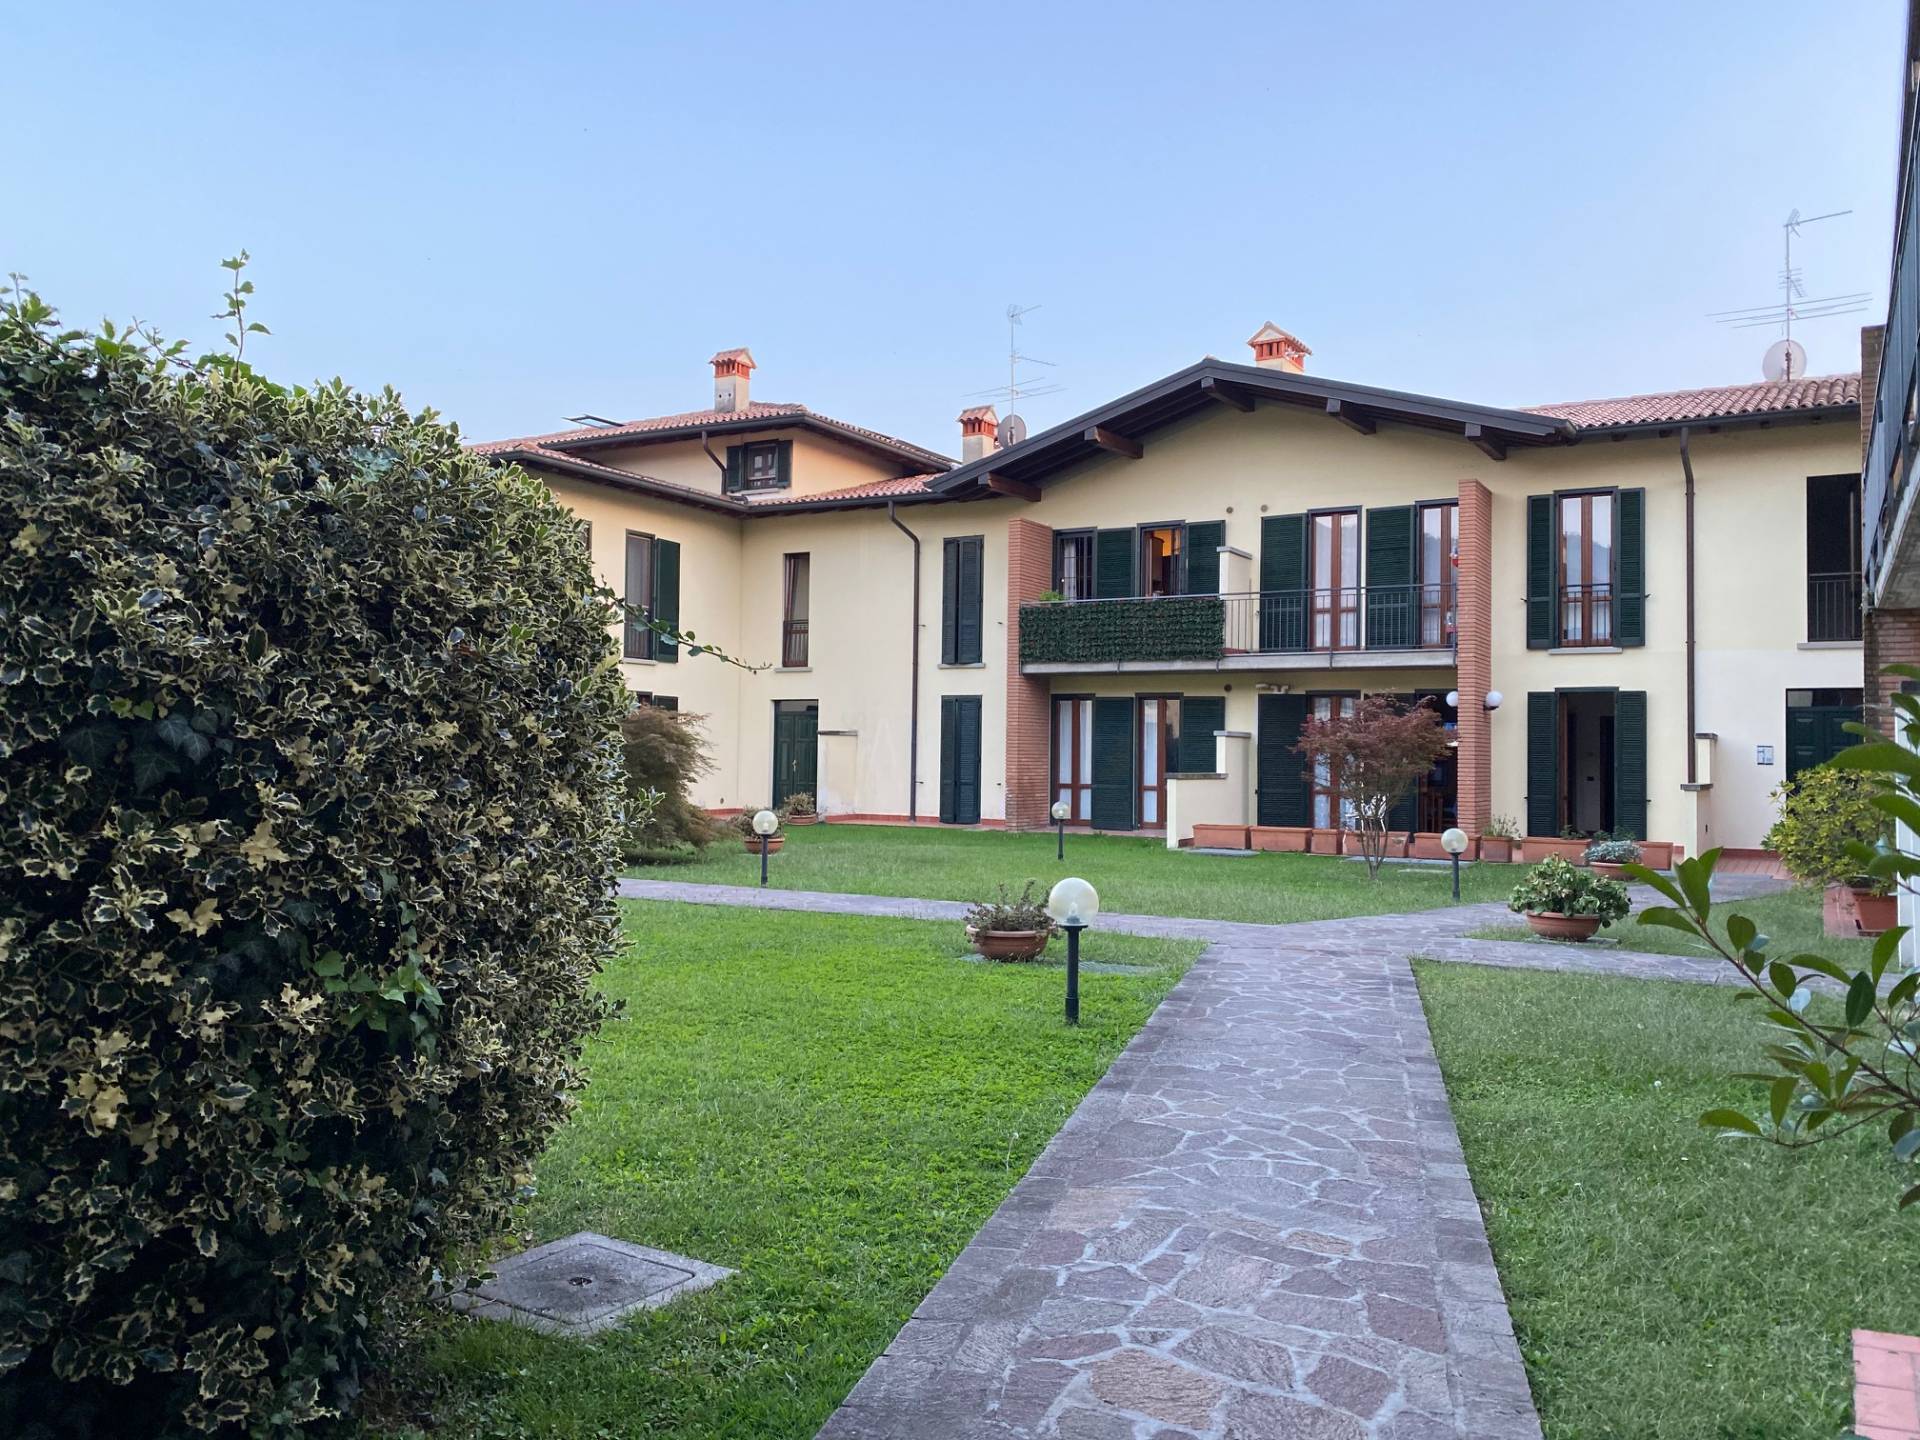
x=1113, y=564
x=1404, y=814
x=1204, y=539
x=960, y=759
x=1200, y=716
x=1283, y=796
x=666, y=597
x=1283, y=582
x=966, y=639
x=1543, y=762
x=783, y=463
x=1630, y=762
x=950, y=602
x=1392, y=616
x=1113, y=763
x=736, y=466
x=1630, y=568
x=1543, y=567
x=637, y=644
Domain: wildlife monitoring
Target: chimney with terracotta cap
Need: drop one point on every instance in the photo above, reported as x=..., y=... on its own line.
x=730, y=371
x=1275, y=349
x=979, y=429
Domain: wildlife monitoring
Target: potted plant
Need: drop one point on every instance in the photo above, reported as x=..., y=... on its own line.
x=1010, y=929
x=743, y=827
x=799, y=809
x=1497, y=839
x=1565, y=846
x=1324, y=842
x=1876, y=909
x=1288, y=839
x=1607, y=854
x=1220, y=837
x=1563, y=903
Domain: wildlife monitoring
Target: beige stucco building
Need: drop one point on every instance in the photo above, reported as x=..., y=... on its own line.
x=1636, y=615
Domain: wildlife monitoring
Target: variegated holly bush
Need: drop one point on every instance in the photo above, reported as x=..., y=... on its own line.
x=309, y=804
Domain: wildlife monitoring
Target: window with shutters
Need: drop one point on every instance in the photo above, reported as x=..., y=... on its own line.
x=639, y=639
x=760, y=464
x=1162, y=562
x=1073, y=756
x=1586, y=554
x=1073, y=564
x=1333, y=560
x=794, y=610
x=960, y=628
x=1439, y=559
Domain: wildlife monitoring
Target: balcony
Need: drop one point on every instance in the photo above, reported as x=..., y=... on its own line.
x=1358, y=626
x=793, y=644
x=1833, y=607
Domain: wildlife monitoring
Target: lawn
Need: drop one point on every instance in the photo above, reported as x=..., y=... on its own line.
x=831, y=1105
x=1139, y=877
x=1790, y=917
x=1665, y=1284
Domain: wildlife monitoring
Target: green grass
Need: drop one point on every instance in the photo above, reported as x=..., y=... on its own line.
x=1139, y=877
x=831, y=1105
x=1791, y=917
x=1665, y=1284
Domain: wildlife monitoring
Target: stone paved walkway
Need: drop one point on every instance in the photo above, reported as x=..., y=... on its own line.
x=1257, y=1226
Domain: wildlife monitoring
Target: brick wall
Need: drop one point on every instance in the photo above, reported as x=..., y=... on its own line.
x=1029, y=576
x=1473, y=630
x=1892, y=638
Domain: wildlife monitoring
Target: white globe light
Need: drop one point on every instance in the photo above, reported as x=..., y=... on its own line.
x=1062, y=810
x=1453, y=841
x=1453, y=699
x=765, y=823
x=1073, y=902
x=1494, y=697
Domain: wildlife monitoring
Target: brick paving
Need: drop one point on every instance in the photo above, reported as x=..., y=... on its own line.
x=1257, y=1226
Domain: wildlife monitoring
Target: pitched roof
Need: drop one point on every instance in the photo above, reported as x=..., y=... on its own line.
x=759, y=415
x=869, y=490
x=1720, y=402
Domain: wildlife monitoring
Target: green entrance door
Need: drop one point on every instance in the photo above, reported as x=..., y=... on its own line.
x=796, y=748
x=1816, y=726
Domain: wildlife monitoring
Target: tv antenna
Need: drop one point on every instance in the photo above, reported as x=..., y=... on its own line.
x=1013, y=428
x=1786, y=358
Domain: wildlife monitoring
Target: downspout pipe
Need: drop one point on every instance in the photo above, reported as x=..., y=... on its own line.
x=1686, y=467
x=913, y=692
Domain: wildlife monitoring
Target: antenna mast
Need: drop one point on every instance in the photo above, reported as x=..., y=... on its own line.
x=1012, y=426
x=1786, y=359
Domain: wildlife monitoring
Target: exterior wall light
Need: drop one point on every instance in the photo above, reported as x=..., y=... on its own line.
x=1073, y=903
x=1061, y=810
x=1494, y=697
x=765, y=822
x=1454, y=841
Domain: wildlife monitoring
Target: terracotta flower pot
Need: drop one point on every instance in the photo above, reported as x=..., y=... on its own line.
x=1427, y=846
x=1008, y=944
x=1324, y=842
x=803, y=820
x=1221, y=837
x=1657, y=854
x=1540, y=847
x=1608, y=871
x=1496, y=848
x=1396, y=846
x=1287, y=839
x=1875, y=914
x=752, y=842
x=1555, y=926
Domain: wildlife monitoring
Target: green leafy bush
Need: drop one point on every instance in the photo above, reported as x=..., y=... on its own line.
x=663, y=755
x=1553, y=887
x=309, y=810
x=1609, y=851
x=1824, y=811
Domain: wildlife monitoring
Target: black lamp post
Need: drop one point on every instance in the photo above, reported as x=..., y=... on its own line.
x=1454, y=842
x=1060, y=812
x=764, y=824
x=1073, y=903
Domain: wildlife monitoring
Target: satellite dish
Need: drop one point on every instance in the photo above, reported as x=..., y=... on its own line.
x=1012, y=431
x=1784, y=360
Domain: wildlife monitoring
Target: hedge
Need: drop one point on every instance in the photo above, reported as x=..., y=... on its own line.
x=308, y=823
x=1181, y=627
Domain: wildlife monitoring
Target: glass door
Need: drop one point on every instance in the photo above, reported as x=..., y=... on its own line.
x=1330, y=812
x=1159, y=752
x=1073, y=757
x=1334, y=560
x=1439, y=556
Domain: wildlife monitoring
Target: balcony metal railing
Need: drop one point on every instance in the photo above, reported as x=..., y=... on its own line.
x=1356, y=617
x=1833, y=606
x=1586, y=615
x=793, y=644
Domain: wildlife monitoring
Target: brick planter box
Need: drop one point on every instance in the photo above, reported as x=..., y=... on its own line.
x=1426, y=846
x=1325, y=842
x=1221, y=837
x=1539, y=847
x=1494, y=849
x=1286, y=839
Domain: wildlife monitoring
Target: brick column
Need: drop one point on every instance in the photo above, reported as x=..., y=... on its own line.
x=1029, y=576
x=1473, y=648
x=1892, y=638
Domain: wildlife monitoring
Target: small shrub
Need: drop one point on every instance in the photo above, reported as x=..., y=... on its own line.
x=1553, y=887
x=309, y=814
x=743, y=822
x=800, y=803
x=1021, y=912
x=663, y=755
x=1613, y=852
x=1823, y=811
x=1503, y=827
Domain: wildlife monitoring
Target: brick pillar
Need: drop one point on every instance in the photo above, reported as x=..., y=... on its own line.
x=1473, y=649
x=1029, y=721
x=1892, y=638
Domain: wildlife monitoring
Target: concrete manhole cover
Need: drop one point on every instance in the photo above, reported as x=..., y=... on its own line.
x=583, y=1284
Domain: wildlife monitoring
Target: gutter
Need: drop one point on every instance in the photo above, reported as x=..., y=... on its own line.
x=1686, y=465
x=913, y=692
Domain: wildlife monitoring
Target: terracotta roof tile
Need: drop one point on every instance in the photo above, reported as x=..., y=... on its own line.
x=870, y=490
x=697, y=419
x=1722, y=402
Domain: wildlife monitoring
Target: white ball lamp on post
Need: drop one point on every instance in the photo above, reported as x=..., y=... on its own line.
x=1073, y=903
x=765, y=822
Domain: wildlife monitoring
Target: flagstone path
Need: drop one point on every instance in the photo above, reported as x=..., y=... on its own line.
x=1257, y=1226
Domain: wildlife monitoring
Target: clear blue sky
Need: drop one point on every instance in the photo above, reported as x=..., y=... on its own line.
x=518, y=212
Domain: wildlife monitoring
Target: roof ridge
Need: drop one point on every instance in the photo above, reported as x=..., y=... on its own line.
x=1840, y=376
